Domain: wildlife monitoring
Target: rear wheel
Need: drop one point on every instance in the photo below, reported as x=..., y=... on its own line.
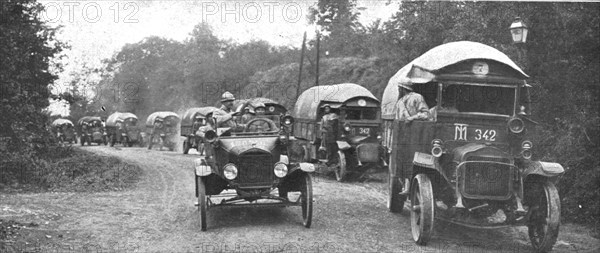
x=341, y=169
x=201, y=203
x=545, y=218
x=186, y=147
x=395, y=200
x=421, y=209
x=306, y=200
x=150, y=142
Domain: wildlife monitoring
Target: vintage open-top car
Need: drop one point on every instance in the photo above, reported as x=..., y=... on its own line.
x=246, y=163
x=471, y=162
x=161, y=127
x=191, y=121
x=92, y=130
x=122, y=128
x=354, y=129
x=64, y=130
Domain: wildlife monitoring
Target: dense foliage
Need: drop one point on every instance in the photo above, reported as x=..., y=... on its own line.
x=27, y=46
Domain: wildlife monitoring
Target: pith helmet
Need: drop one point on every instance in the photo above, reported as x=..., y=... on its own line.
x=407, y=86
x=227, y=96
x=326, y=105
x=259, y=105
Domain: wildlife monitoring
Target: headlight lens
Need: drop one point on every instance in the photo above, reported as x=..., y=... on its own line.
x=280, y=169
x=202, y=169
x=347, y=127
x=516, y=125
x=437, y=150
x=230, y=171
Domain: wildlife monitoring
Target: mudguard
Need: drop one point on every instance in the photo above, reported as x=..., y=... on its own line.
x=424, y=160
x=545, y=169
x=201, y=167
x=343, y=145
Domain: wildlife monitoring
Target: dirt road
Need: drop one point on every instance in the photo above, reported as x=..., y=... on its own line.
x=158, y=215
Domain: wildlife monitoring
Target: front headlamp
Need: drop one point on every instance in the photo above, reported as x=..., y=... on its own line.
x=526, y=149
x=201, y=168
x=280, y=169
x=347, y=127
x=230, y=171
x=437, y=150
x=516, y=125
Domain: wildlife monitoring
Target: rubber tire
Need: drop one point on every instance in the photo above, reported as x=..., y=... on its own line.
x=306, y=200
x=421, y=221
x=551, y=215
x=82, y=140
x=112, y=141
x=186, y=147
x=201, y=203
x=395, y=202
x=150, y=141
x=342, y=168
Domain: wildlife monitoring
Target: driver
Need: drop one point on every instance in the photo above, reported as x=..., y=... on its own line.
x=259, y=126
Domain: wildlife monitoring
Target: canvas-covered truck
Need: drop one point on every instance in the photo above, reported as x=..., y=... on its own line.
x=471, y=162
x=191, y=121
x=161, y=127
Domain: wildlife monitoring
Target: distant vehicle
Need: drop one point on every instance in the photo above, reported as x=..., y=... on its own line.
x=191, y=120
x=471, y=162
x=92, y=130
x=247, y=164
x=356, y=131
x=64, y=130
x=161, y=127
x=122, y=128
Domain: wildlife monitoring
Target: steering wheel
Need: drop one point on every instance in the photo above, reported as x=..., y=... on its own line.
x=272, y=125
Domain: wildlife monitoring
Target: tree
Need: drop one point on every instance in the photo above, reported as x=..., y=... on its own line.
x=27, y=46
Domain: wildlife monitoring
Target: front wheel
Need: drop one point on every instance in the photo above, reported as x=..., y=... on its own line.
x=82, y=140
x=186, y=147
x=545, y=218
x=341, y=169
x=201, y=203
x=421, y=209
x=306, y=199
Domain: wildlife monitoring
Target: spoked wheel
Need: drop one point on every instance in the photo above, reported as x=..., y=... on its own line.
x=341, y=169
x=395, y=201
x=186, y=147
x=201, y=203
x=150, y=142
x=306, y=200
x=545, y=218
x=421, y=211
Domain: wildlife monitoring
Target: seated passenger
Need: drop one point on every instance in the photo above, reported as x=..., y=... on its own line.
x=411, y=105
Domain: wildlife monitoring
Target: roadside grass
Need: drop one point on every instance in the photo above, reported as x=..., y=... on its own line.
x=64, y=169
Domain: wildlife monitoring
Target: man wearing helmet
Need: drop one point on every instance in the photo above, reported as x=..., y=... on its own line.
x=411, y=105
x=260, y=126
x=329, y=126
x=225, y=119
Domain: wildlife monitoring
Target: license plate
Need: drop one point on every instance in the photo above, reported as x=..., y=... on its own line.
x=362, y=131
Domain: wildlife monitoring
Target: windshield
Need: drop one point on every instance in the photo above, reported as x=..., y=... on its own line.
x=250, y=123
x=481, y=99
x=363, y=113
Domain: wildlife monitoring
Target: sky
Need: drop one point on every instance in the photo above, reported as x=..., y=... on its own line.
x=96, y=30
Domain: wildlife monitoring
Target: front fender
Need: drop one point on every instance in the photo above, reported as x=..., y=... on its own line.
x=343, y=145
x=425, y=160
x=545, y=169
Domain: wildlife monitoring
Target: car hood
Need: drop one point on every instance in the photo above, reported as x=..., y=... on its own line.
x=238, y=146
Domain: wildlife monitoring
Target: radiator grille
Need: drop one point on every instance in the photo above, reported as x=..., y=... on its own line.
x=255, y=170
x=484, y=179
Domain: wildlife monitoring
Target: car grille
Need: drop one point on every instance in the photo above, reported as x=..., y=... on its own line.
x=255, y=170
x=485, y=177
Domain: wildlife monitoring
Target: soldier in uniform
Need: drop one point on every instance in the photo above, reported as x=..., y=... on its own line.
x=260, y=126
x=411, y=105
x=329, y=133
x=225, y=120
